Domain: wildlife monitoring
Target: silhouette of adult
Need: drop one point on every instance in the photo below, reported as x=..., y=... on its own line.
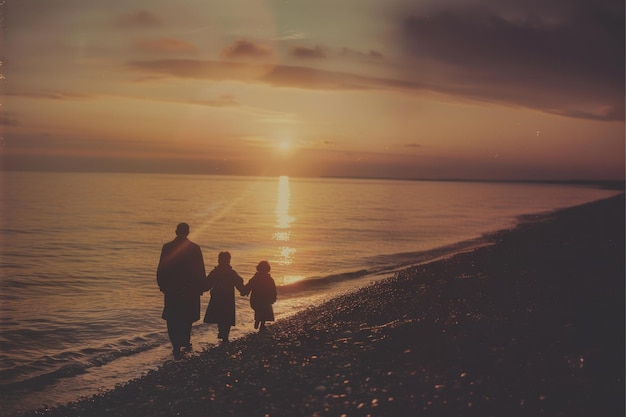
x=181, y=277
x=222, y=281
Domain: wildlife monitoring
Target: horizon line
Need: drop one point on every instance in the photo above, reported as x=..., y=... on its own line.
x=615, y=184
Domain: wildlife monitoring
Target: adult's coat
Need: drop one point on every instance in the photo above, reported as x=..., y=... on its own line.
x=182, y=278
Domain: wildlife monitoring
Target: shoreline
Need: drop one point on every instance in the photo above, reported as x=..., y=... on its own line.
x=531, y=325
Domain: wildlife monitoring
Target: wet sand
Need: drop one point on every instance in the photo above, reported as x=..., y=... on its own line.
x=532, y=325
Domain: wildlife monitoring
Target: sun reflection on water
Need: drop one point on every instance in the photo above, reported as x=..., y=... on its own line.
x=282, y=233
x=283, y=218
x=282, y=236
x=286, y=254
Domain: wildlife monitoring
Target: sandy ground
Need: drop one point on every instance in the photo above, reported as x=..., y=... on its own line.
x=532, y=325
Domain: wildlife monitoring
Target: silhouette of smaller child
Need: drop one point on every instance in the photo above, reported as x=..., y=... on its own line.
x=262, y=290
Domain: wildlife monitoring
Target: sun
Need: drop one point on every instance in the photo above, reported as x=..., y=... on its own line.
x=284, y=146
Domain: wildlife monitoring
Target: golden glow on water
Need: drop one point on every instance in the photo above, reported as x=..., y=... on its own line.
x=282, y=236
x=283, y=222
x=283, y=219
x=286, y=255
x=290, y=279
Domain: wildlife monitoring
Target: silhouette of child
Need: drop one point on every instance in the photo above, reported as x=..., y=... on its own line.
x=262, y=290
x=222, y=281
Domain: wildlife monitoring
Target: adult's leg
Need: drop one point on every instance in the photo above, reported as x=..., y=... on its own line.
x=173, y=331
x=185, y=335
x=224, y=331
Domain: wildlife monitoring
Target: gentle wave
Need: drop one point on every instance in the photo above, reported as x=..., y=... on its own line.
x=384, y=264
x=314, y=284
x=50, y=369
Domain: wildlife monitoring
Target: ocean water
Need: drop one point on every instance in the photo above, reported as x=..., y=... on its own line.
x=80, y=309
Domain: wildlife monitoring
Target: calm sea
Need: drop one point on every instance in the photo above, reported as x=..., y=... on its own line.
x=80, y=308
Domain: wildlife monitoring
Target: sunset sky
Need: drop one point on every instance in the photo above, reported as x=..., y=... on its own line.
x=463, y=89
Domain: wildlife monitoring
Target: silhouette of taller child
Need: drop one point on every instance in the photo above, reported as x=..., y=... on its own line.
x=222, y=281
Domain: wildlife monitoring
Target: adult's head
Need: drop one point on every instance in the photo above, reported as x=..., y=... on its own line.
x=223, y=258
x=263, y=267
x=182, y=230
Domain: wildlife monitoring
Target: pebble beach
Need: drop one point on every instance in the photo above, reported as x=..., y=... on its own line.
x=530, y=325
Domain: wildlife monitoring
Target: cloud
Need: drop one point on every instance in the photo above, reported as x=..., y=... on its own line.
x=290, y=36
x=198, y=69
x=356, y=54
x=582, y=47
x=280, y=76
x=165, y=45
x=320, y=52
x=8, y=120
x=307, y=52
x=301, y=77
x=138, y=19
x=52, y=95
x=476, y=54
x=246, y=49
x=572, y=64
x=222, y=101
